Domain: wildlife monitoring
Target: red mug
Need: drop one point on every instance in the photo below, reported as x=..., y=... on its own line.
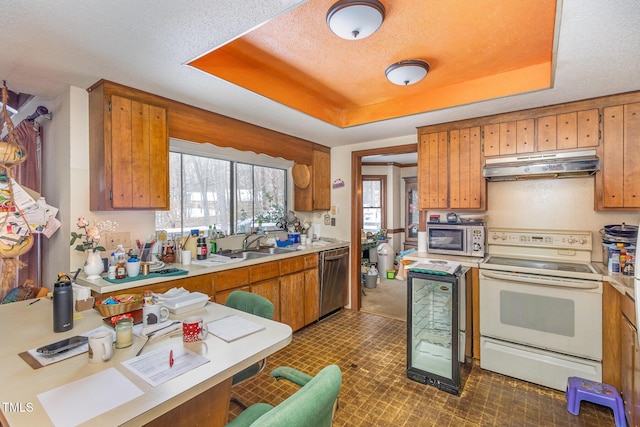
x=194, y=329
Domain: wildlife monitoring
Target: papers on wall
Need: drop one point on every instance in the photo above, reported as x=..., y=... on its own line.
x=82, y=400
x=232, y=327
x=165, y=363
x=23, y=211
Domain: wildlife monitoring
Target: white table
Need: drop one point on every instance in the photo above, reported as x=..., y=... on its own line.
x=202, y=393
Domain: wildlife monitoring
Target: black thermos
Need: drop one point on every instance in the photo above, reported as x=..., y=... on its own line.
x=62, y=305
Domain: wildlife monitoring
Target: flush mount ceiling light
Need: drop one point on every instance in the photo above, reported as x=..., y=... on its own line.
x=355, y=19
x=405, y=73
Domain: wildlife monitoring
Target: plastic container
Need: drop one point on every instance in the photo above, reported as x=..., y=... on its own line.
x=385, y=258
x=391, y=274
x=294, y=237
x=370, y=280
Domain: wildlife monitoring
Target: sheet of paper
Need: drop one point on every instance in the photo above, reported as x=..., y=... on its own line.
x=155, y=367
x=45, y=359
x=232, y=327
x=79, y=401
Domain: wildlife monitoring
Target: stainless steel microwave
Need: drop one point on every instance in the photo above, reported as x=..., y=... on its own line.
x=463, y=239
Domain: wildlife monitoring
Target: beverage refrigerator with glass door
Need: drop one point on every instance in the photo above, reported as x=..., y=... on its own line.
x=432, y=329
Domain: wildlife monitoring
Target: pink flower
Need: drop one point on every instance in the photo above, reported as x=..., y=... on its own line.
x=82, y=222
x=93, y=233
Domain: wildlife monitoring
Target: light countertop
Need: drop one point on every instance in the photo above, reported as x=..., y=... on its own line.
x=102, y=286
x=24, y=327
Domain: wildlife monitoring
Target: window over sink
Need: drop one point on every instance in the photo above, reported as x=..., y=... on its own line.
x=233, y=190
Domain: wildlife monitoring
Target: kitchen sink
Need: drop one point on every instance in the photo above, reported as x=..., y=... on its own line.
x=255, y=253
x=247, y=254
x=276, y=251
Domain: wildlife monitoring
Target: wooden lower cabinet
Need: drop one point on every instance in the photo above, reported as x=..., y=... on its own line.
x=270, y=289
x=292, y=303
x=629, y=362
x=291, y=284
x=311, y=296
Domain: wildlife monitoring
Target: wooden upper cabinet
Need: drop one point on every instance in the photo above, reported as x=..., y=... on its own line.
x=140, y=154
x=547, y=135
x=433, y=170
x=525, y=136
x=492, y=140
x=129, y=152
x=508, y=138
x=618, y=186
x=466, y=185
x=317, y=195
x=569, y=130
x=588, y=128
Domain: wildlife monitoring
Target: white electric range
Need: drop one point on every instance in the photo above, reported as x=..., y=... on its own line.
x=541, y=306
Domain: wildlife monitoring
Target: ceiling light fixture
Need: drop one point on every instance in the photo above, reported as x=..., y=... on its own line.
x=405, y=73
x=355, y=19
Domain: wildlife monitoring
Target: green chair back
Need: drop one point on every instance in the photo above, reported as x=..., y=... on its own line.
x=311, y=406
x=250, y=303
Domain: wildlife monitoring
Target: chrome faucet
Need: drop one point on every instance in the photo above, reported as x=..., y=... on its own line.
x=246, y=242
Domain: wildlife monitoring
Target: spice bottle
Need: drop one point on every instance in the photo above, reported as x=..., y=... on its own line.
x=201, y=248
x=623, y=255
x=148, y=297
x=121, y=266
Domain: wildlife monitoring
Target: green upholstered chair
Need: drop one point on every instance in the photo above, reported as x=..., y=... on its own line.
x=260, y=306
x=312, y=406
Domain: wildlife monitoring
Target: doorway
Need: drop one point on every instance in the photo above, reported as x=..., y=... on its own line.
x=383, y=156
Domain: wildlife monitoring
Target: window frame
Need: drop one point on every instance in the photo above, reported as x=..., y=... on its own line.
x=382, y=179
x=234, y=157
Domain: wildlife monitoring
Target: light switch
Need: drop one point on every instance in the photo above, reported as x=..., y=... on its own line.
x=334, y=210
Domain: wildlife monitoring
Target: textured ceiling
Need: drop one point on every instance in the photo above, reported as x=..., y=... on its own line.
x=477, y=51
x=49, y=46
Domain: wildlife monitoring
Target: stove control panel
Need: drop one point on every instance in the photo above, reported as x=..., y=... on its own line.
x=579, y=240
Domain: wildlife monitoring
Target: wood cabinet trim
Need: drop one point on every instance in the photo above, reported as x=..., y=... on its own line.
x=194, y=124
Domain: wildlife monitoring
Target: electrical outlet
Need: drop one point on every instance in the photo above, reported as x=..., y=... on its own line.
x=112, y=239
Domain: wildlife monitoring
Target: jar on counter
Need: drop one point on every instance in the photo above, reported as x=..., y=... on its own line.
x=124, y=332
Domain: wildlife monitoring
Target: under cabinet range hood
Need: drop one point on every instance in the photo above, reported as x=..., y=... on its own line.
x=543, y=165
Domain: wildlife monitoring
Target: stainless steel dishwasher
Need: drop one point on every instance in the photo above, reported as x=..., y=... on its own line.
x=334, y=280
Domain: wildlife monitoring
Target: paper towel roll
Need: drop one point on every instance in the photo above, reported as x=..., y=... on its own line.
x=422, y=241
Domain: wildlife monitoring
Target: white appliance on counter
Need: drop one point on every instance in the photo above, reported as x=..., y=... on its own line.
x=541, y=306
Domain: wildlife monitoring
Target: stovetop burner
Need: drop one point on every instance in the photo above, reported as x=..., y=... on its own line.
x=543, y=252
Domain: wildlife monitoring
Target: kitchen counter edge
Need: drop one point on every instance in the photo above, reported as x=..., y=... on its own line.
x=102, y=286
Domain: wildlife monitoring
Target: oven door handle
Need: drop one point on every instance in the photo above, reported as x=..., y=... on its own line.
x=556, y=282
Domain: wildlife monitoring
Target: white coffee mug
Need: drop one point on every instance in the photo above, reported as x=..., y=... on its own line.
x=100, y=347
x=154, y=314
x=185, y=257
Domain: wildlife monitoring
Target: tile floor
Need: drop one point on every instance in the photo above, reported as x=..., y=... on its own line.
x=370, y=351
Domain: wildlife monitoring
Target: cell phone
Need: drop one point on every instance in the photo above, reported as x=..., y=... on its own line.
x=64, y=345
